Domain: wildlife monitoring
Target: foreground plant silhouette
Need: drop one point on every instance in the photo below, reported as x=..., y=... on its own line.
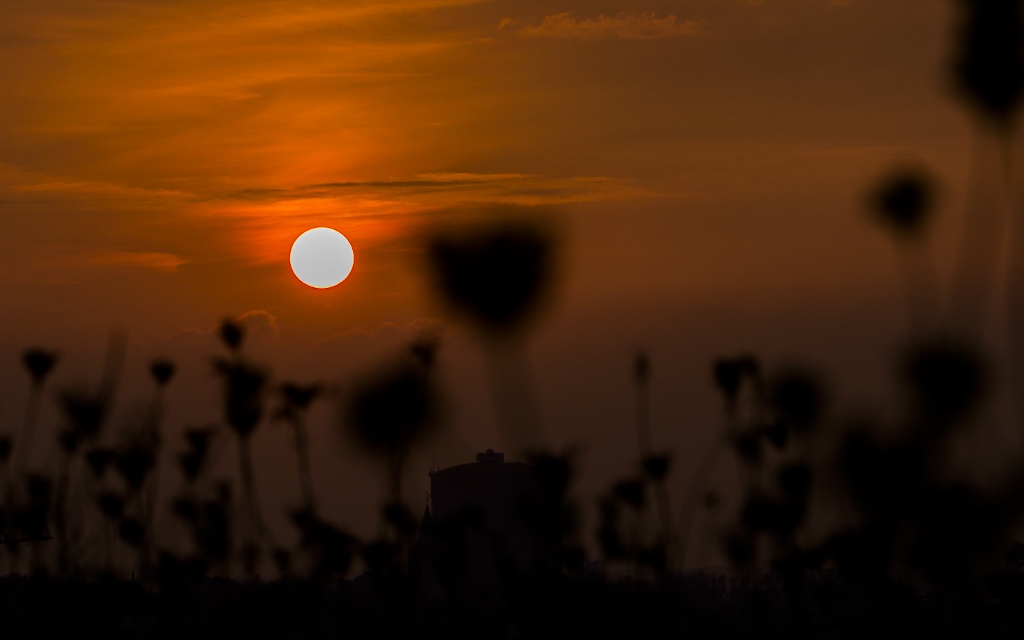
x=497, y=277
x=875, y=536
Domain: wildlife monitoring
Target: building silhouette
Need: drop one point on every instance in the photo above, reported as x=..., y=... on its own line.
x=486, y=525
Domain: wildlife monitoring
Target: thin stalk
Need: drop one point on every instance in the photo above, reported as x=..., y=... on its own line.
x=920, y=287
x=515, y=403
x=24, y=448
x=247, y=511
x=693, y=494
x=981, y=240
x=302, y=458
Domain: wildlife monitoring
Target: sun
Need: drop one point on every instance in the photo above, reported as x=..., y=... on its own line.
x=322, y=258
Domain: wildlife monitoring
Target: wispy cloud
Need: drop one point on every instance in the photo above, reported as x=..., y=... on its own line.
x=257, y=317
x=446, y=188
x=625, y=26
x=144, y=259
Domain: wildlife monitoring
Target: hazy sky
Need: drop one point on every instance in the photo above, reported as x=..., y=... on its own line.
x=706, y=161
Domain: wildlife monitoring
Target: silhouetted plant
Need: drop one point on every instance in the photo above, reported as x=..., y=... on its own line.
x=903, y=202
x=799, y=397
x=193, y=461
x=496, y=275
x=39, y=363
x=136, y=457
x=295, y=403
x=98, y=460
x=947, y=380
x=389, y=411
x=244, y=387
x=989, y=66
x=161, y=371
x=231, y=333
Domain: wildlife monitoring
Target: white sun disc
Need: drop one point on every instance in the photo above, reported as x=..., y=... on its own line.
x=322, y=257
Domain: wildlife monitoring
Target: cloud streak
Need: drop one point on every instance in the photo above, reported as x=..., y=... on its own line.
x=625, y=26
x=146, y=259
x=433, y=189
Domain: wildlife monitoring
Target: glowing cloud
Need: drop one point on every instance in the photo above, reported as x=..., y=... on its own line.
x=625, y=26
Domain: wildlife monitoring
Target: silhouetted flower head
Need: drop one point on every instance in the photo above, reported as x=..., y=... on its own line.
x=162, y=371
x=98, y=460
x=798, y=396
x=244, y=387
x=40, y=488
x=989, y=65
x=132, y=532
x=393, y=408
x=135, y=458
x=727, y=374
x=903, y=202
x=948, y=380
x=747, y=445
x=231, y=334
x=84, y=412
x=495, y=276
x=39, y=364
x=657, y=466
x=777, y=432
x=110, y=504
x=193, y=460
x=631, y=492
x=296, y=399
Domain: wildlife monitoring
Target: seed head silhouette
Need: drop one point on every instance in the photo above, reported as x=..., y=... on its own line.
x=392, y=408
x=231, y=333
x=799, y=397
x=244, y=388
x=39, y=363
x=98, y=460
x=989, y=65
x=495, y=276
x=903, y=202
x=162, y=371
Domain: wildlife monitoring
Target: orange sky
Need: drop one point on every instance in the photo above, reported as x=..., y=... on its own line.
x=706, y=160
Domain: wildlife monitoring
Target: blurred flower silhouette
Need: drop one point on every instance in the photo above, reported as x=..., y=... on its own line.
x=39, y=363
x=496, y=276
x=162, y=371
x=244, y=388
x=903, y=202
x=296, y=399
x=231, y=333
x=989, y=66
x=194, y=459
x=392, y=409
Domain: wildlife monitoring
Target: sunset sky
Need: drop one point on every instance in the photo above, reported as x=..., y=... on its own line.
x=705, y=161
